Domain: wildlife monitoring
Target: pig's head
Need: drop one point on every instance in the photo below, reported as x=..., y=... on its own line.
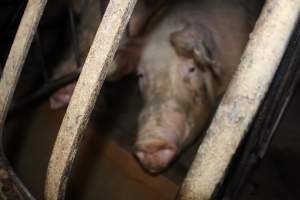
x=178, y=80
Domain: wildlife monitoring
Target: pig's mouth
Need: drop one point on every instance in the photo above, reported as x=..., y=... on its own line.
x=155, y=154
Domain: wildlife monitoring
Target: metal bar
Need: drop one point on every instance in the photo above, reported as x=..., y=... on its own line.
x=9, y=79
x=83, y=100
x=18, y=53
x=264, y=126
x=11, y=185
x=41, y=94
x=258, y=65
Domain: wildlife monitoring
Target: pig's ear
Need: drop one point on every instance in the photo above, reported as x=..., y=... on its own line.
x=195, y=41
x=126, y=60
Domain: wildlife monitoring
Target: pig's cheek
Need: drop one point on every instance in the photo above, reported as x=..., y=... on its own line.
x=186, y=134
x=191, y=79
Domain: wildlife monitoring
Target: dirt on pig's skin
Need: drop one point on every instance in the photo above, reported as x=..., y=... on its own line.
x=185, y=66
x=184, y=63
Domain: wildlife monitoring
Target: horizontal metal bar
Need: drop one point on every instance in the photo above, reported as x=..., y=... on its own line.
x=251, y=82
x=83, y=100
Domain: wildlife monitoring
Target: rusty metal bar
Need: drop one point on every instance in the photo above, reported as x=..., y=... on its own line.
x=18, y=53
x=83, y=100
x=266, y=121
x=9, y=79
x=251, y=82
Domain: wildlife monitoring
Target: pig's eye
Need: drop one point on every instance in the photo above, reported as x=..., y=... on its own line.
x=140, y=75
x=192, y=69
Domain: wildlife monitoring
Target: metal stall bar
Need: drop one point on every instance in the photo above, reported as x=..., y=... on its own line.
x=18, y=54
x=10, y=76
x=264, y=126
x=247, y=89
x=83, y=100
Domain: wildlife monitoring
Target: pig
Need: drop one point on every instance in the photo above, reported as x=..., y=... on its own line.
x=184, y=53
x=184, y=66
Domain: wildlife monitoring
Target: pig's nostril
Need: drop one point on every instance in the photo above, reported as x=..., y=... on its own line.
x=155, y=160
x=165, y=154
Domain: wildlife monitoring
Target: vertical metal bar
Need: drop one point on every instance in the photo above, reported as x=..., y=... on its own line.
x=258, y=65
x=268, y=118
x=83, y=100
x=18, y=53
x=9, y=79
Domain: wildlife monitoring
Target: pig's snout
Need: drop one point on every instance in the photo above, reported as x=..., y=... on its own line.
x=162, y=133
x=155, y=155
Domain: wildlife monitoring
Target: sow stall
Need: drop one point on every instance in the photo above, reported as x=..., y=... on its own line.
x=252, y=106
